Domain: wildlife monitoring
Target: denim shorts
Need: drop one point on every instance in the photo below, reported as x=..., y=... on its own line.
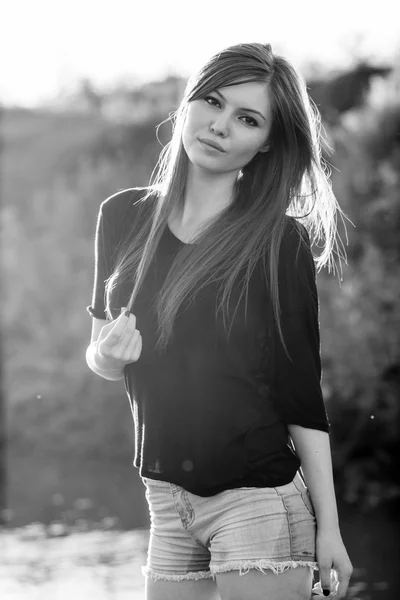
x=195, y=537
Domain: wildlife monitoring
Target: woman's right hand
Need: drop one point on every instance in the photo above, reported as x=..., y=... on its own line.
x=119, y=342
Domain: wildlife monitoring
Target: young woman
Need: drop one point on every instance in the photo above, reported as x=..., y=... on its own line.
x=227, y=406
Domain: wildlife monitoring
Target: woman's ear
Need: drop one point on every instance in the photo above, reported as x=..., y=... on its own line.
x=265, y=148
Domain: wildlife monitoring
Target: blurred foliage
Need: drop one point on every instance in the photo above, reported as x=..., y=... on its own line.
x=57, y=169
x=341, y=92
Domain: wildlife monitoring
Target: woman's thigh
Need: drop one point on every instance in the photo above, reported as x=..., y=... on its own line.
x=178, y=566
x=292, y=584
x=201, y=589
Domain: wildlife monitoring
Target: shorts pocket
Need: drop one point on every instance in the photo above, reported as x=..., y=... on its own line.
x=305, y=495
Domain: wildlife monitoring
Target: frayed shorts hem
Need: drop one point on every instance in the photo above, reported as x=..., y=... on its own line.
x=147, y=572
x=242, y=566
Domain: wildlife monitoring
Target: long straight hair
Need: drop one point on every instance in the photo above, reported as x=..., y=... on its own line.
x=292, y=179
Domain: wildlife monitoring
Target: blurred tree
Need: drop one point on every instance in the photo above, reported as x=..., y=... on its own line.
x=348, y=90
x=369, y=458
x=362, y=322
x=3, y=435
x=90, y=95
x=3, y=450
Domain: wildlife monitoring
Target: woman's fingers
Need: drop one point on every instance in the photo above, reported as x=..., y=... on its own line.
x=119, y=337
x=134, y=347
x=127, y=341
x=125, y=338
x=344, y=574
x=121, y=324
x=324, y=568
x=115, y=329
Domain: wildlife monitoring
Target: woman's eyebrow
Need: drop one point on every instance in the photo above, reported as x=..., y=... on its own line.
x=246, y=109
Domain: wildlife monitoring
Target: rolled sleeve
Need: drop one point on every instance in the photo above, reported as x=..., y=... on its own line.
x=298, y=381
x=102, y=269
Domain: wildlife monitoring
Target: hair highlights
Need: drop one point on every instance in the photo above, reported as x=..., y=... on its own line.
x=290, y=180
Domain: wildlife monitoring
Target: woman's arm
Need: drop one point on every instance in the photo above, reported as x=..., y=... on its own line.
x=313, y=449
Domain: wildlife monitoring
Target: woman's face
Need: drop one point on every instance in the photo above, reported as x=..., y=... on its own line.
x=221, y=117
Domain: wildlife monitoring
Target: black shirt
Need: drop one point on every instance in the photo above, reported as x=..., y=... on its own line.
x=211, y=413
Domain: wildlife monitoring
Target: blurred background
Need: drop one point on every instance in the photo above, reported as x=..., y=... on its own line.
x=83, y=86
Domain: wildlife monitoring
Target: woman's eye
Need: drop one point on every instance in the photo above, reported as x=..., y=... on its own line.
x=253, y=122
x=211, y=98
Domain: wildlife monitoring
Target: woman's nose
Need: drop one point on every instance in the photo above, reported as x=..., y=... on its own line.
x=219, y=127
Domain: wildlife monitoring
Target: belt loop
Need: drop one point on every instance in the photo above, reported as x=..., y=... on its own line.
x=174, y=488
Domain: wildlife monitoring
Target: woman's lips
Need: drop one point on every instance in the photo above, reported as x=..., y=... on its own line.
x=208, y=146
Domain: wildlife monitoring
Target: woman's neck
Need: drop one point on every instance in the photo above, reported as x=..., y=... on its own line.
x=205, y=195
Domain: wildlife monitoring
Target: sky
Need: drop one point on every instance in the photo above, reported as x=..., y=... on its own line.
x=46, y=46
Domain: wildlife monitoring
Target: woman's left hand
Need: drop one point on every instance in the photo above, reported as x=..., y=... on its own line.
x=332, y=555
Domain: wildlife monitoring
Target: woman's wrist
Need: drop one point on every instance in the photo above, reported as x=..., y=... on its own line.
x=325, y=509
x=328, y=524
